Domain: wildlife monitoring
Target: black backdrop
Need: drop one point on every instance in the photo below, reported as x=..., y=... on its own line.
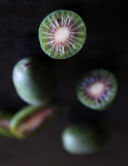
x=106, y=47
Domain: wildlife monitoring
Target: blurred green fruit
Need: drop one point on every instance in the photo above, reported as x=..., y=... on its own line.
x=34, y=83
x=83, y=139
x=5, y=120
x=31, y=119
x=98, y=89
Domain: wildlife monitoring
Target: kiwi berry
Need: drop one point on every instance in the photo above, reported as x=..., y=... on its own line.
x=33, y=81
x=62, y=34
x=5, y=120
x=83, y=139
x=31, y=119
x=97, y=89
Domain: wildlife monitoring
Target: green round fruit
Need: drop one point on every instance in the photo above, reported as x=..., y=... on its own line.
x=97, y=89
x=62, y=34
x=33, y=81
x=83, y=139
x=31, y=119
x=5, y=120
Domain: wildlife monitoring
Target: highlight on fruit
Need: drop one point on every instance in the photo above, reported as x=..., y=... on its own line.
x=32, y=119
x=97, y=89
x=62, y=34
x=82, y=139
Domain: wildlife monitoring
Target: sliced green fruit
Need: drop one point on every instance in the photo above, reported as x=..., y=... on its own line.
x=83, y=139
x=31, y=119
x=97, y=89
x=33, y=81
x=5, y=120
x=62, y=34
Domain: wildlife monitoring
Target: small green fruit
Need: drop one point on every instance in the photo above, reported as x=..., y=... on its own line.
x=62, y=34
x=97, y=89
x=81, y=139
x=31, y=119
x=33, y=81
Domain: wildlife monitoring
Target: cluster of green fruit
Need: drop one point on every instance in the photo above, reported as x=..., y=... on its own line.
x=62, y=34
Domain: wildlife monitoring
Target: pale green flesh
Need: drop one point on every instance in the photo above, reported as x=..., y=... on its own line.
x=109, y=98
x=18, y=122
x=51, y=22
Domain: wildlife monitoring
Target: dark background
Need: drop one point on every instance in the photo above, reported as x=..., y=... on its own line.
x=106, y=47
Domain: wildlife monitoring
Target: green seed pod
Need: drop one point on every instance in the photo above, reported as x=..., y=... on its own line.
x=33, y=81
x=31, y=119
x=81, y=139
x=5, y=119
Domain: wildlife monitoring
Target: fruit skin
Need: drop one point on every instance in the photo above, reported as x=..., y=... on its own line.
x=33, y=81
x=43, y=36
x=82, y=139
x=27, y=112
x=4, y=131
x=84, y=100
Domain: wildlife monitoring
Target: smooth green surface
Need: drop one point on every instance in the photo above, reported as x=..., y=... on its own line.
x=92, y=104
x=83, y=139
x=49, y=22
x=33, y=81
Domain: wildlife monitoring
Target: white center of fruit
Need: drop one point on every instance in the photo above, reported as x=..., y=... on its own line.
x=61, y=35
x=96, y=89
